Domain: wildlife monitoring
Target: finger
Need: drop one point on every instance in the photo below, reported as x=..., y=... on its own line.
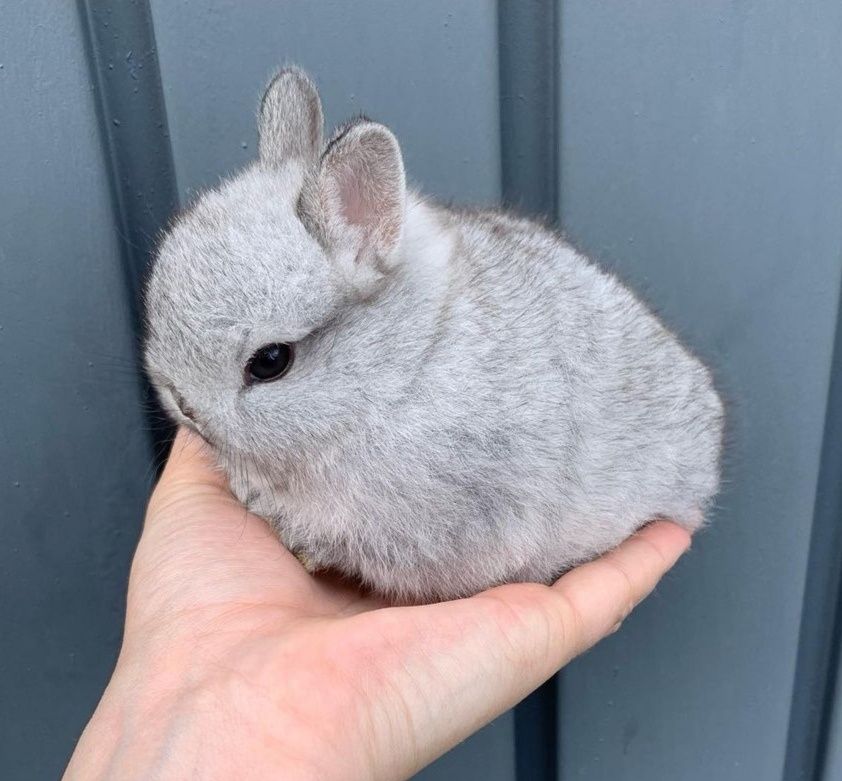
x=193, y=511
x=552, y=625
x=602, y=593
x=496, y=647
x=543, y=627
x=191, y=461
x=191, y=479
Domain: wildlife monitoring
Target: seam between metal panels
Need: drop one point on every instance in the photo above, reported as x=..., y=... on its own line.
x=820, y=633
x=529, y=134
x=122, y=57
x=529, y=131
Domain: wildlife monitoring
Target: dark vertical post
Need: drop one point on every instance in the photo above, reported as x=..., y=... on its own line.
x=528, y=44
x=528, y=53
x=820, y=635
x=120, y=42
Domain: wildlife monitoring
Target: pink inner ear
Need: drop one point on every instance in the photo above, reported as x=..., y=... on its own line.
x=354, y=207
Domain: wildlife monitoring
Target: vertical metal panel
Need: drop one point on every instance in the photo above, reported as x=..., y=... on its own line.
x=701, y=158
x=429, y=70
x=528, y=33
x=73, y=447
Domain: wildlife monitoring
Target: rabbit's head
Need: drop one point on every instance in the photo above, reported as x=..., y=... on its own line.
x=254, y=303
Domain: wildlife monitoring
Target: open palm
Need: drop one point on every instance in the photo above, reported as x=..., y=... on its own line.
x=237, y=663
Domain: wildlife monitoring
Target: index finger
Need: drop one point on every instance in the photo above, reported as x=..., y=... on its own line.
x=494, y=648
x=603, y=592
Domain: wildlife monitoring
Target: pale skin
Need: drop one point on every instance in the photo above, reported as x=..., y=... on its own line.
x=237, y=663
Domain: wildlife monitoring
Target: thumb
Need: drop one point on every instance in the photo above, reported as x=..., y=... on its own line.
x=192, y=476
x=190, y=460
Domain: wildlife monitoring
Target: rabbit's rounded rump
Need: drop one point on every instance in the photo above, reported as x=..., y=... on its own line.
x=430, y=399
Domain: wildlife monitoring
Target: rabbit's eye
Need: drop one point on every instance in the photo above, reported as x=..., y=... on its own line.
x=270, y=362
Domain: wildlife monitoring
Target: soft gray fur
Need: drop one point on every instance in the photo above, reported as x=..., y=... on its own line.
x=472, y=401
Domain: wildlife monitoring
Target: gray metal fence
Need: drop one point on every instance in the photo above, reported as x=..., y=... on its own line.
x=694, y=148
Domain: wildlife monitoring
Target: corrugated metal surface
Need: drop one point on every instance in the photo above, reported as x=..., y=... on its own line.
x=74, y=452
x=695, y=148
x=701, y=158
x=428, y=70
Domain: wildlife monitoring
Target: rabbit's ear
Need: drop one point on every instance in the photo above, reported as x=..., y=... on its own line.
x=290, y=121
x=356, y=201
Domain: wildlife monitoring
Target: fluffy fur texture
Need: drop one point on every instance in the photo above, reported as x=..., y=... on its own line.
x=472, y=401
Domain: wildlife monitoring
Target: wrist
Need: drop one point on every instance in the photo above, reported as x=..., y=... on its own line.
x=128, y=727
x=174, y=720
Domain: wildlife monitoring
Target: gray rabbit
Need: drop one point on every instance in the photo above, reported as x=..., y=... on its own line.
x=431, y=399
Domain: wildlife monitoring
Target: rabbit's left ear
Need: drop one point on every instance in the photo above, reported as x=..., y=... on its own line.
x=356, y=201
x=290, y=120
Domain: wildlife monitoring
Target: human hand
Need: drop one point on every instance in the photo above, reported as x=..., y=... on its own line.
x=236, y=663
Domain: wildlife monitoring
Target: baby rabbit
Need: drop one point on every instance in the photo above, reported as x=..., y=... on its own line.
x=433, y=400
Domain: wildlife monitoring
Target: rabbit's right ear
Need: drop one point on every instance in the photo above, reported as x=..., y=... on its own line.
x=290, y=120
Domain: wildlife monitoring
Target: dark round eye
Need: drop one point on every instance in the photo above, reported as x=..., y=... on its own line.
x=269, y=363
